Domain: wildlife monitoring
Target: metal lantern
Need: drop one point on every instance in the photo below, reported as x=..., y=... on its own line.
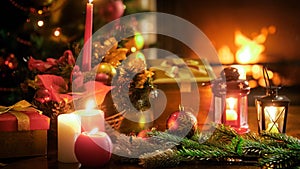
x=230, y=100
x=272, y=112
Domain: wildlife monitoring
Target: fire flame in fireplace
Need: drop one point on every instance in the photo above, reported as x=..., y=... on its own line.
x=248, y=50
x=248, y=55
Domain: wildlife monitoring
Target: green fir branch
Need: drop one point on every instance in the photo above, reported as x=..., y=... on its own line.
x=268, y=150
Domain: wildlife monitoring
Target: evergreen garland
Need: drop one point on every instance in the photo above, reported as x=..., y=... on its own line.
x=224, y=145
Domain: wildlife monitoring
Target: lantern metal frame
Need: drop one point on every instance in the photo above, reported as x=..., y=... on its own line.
x=272, y=99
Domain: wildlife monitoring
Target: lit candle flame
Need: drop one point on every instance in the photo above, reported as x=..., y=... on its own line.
x=90, y=1
x=90, y=105
x=272, y=125
x=231, y=102
x=94, y=131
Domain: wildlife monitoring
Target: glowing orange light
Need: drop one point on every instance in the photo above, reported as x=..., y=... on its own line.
x=242, y=71
x=133, y=49
x=40, y=23
x=276, y=79
x=261, y=82
x=225, y=55
x=256, y=71
x=272, y=29
x=40, y=12
x=56, y=32
x=249, y=50
x=270, y=74
x=252, y=83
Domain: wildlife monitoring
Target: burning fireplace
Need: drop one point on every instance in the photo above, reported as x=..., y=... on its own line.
x=248, y=35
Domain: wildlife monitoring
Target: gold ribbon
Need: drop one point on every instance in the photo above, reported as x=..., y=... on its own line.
x=23, y=120
x=22, y=105
x=16, y=110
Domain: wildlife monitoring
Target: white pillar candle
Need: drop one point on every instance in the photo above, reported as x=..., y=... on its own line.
x=68, y=129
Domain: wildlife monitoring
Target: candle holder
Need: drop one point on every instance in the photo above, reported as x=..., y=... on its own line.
x=271, y=109
x=230, y=101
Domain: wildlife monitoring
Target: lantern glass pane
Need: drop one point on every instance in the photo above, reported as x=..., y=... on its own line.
x=244, y=111
x=259, y=116
x=274, y=118
x=218, y=109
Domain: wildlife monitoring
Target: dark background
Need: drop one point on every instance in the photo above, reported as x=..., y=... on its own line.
x=219, y=19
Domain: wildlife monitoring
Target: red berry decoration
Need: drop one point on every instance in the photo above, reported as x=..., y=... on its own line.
x=102, y=77
x=182, y=123
x=143, y=134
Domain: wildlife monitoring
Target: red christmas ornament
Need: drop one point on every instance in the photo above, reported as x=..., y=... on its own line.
x=93, y=149
x=182, y=123
x=111, y=10
x=172, y=121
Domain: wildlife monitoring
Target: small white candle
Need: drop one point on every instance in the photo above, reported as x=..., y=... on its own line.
x=273, y=128
x=91, y=117
x=68, y=129
x=271, y=114
x=231, y=115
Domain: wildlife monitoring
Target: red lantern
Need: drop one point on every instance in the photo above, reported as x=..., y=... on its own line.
x=231, y=101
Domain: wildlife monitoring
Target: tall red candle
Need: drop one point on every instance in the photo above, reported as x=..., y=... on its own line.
x=87, y=50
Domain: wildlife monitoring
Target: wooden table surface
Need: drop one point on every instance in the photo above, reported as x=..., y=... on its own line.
x=50, y=161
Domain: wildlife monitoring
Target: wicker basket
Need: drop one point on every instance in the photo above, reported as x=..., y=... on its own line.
x=114, y=121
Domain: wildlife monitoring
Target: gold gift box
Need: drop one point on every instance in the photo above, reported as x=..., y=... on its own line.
x=23, y=131
x=23, y=143
x=179, y=80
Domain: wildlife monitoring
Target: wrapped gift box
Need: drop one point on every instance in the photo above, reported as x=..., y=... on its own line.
x=23, y=133
x=180, y=87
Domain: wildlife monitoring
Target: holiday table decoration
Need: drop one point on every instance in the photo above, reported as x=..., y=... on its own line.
x=111, y=10
x=61, y=86
x=222, y=146
x=93, y=148
x=91, y=117
x=182, y=123
x=272, y=109
x=68, y=128
x=230, y=100
x=182, y=82
x=23, y=131
x=88, y=31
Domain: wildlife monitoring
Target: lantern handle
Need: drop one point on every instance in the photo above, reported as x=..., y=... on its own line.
x=267, y=79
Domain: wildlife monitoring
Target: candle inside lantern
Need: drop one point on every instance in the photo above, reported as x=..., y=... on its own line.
x=231, y=114
x=87, y=50
x=68, y=128
x=271, y=119
x=91, y=117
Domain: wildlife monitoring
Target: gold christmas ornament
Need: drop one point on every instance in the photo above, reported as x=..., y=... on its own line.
x=106, y=68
